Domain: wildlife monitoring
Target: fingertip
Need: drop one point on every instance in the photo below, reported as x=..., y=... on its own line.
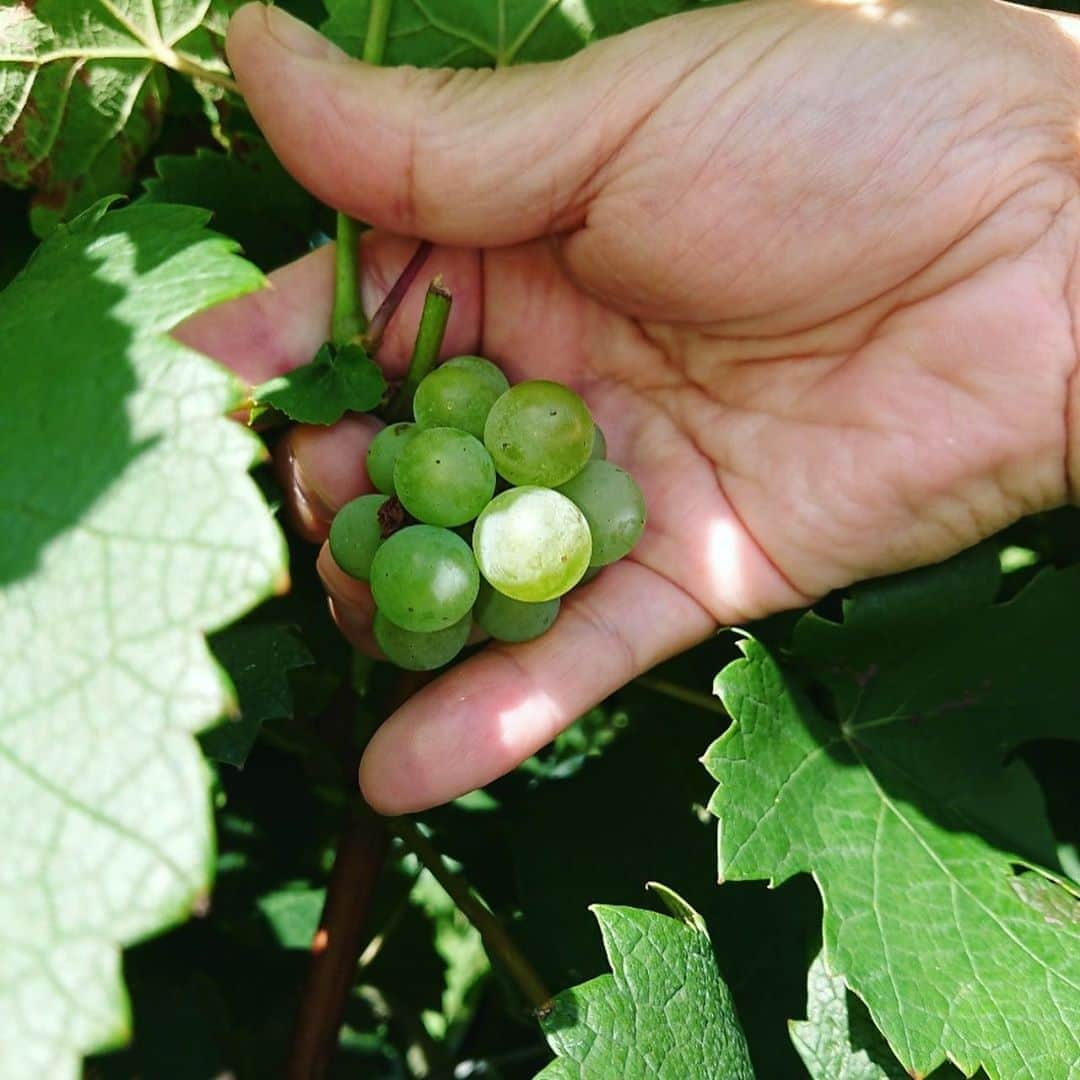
x=383, y=798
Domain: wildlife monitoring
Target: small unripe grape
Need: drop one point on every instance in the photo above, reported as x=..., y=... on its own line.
x=539, y=432
x=459, y=394
x=424, y=578
x=506, y=619
x=599, y=445
x=613, y=506
x=356, y=533
x=383, y=454
x=420, y=652
x=444, y=476
x=532, y=544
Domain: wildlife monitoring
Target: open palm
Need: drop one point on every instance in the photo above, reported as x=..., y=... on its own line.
x=810, y=264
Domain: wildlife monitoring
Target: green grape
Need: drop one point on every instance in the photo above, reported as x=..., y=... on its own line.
x=488, y=371
x=459, y=394
x=539, y=432
x=613, y=506
x=424, y=578
x=512, y=620
x=590, y=575
x=383, y=453
x=420, y=652
x=599, y=445
x=444, y=476
x=532, y=544
x=355, y=533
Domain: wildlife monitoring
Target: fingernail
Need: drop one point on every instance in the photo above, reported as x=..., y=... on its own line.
x=298, y=37
x=311, y=510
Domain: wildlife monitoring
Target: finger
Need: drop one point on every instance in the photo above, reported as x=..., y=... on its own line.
x=486, y=716
x=276, y=329
x=468, y=157
x=321, y=468
x=351, y=604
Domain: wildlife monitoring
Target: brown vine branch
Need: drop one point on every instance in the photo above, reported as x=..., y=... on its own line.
x=358, y=862
x=497, y=941
x=336, y=945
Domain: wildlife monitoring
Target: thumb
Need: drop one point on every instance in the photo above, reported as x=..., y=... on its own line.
x=471, y=157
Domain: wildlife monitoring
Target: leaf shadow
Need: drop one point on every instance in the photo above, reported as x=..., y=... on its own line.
x=66, y=434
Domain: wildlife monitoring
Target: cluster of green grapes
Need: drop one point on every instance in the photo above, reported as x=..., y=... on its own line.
x=441, y=548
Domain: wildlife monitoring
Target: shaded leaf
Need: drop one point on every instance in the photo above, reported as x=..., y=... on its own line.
x=131, y=529
x=322, y=391
x=253, y=199
x=257, y=658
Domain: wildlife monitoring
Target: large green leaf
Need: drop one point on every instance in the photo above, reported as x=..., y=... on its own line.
x=83, y=87
x=663, y=1013
x=480, y=33
x=130, y=529
x=897, y=792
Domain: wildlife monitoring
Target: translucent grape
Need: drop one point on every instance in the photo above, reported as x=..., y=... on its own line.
x=459, y=394
x=424, y=578
x=355, y=534
x=420, y=652
x=613, y=506
x=539, y=432
x=599, y=445
x=383, y=453
x=444, y=476
x=512, y=620
x=532, y=544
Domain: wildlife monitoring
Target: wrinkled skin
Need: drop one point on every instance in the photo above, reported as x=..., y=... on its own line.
x=810, y=264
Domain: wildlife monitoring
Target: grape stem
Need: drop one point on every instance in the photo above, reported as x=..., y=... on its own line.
x=496, y=940
x=681, y=693
x=348, y=320
x=429, y=339
x=381, y=318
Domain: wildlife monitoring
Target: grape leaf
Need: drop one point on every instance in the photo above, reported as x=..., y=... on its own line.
x=257, y=658
x=131, y=528
x=838, y=1041
x=83, y=89
x=253, y=199
x=663, y=1012
x=898, y=794
x=321, y=391
x=480, y=33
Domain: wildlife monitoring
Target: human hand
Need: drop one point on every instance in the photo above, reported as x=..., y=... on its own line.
x=810, y=265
